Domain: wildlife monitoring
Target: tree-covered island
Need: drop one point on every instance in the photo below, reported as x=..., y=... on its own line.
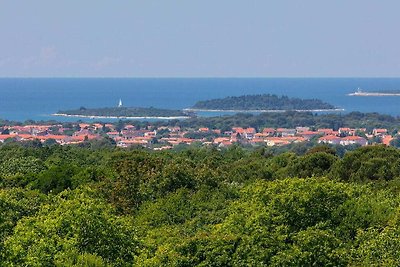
x=124, y=112
x=262, y=102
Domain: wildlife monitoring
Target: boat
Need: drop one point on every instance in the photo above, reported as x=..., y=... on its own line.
x=359, y=92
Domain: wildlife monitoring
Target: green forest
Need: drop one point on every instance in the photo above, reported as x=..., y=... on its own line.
x=289, y=119
x=96, y=205
x=262, y=102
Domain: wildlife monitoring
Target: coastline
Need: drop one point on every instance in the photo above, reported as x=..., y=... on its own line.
x=263, y=110
x=373, y=94
x=121, y=117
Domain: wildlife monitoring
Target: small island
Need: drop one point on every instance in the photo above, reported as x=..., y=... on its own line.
x=264, y=102
x=125, y=113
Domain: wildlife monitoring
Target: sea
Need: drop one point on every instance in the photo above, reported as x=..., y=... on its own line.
x=36, y=99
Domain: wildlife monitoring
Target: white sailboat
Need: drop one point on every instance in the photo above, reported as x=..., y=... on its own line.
x=120, y=103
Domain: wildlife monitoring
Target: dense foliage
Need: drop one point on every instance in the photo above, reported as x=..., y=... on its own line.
x=124, y=112
x=289, y=119
x=90, y=205
x=262, y=102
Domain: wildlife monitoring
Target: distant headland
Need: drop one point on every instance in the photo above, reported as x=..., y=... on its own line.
x=262, y=103
x=359, y=92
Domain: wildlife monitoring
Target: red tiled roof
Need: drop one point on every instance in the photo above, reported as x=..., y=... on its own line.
x=5, y=136
x=238, y=130
x=353, y=138
x=329, y=137
x=309, y=133
x=52, y=136
x=250, y=130
x=268, y=130
x=386, y=140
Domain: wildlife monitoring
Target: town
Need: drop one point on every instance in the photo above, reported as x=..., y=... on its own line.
x=167, y=137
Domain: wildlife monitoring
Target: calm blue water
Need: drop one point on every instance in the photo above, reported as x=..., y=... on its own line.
x=36, y=99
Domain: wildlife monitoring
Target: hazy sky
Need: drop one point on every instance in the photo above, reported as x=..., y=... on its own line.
x=190, y=38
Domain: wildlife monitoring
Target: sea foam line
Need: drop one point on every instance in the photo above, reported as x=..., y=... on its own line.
x=119, y=117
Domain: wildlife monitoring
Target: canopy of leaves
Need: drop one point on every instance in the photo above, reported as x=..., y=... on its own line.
x=262, y=102
x=87, y=206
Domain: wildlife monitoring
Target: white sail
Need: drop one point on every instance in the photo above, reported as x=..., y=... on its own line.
x=120, y=103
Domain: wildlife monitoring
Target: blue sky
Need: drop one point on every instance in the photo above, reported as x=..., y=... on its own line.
x=219, y=38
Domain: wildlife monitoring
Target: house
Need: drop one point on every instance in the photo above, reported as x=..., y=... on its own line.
x=229, y=133
x=128, y=143
x=219, y=140
x=260, y=136
x=39, y=133
x=285, y=132
x=268, y=131
x=113, y=134
x=58, y=138
x=225, y=143
x=187, y=141
x=175, y=129
x=302, y=129
x=110, y=126
x=346, y=131
x=217, y=131
x=249, y=133
x=84, y=125
x=150, y=134
x=308, y=134
x=204, y=130
x=352, y=140
x=276, y=141
x=329, y=139
x=3, y=137
x=294, y=139
x=238, y=130
x=379, y=132
x=328, y=131
x=24, y=137
x=256, y=141
x=387, y=139
x=79, y=138
x=83, y=132
x=129, y=127
x=97, y=126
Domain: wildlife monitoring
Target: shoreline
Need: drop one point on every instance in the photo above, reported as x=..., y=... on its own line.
x=194, y=110
x=373, y=94
x=263, y=110
x=120, y=117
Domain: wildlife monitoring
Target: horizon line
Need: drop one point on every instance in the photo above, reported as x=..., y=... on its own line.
x=199, y=77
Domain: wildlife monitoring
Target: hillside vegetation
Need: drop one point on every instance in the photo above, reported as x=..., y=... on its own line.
x=290, y=119
x=92, y=205
x=262, y=102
